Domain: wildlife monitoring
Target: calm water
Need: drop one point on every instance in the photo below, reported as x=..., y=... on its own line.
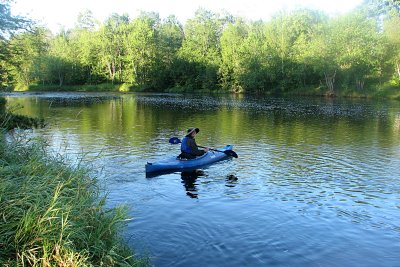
x=318, y=181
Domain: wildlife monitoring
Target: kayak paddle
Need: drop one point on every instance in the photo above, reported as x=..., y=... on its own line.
x=231, y=153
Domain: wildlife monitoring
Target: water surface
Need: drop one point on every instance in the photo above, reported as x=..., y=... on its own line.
x=318, y=180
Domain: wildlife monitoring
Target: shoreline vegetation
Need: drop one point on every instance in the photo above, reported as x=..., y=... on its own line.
x=296, y=52
x=384, y=92
x=53, y=214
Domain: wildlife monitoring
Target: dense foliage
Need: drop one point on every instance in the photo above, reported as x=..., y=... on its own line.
x=354, y=53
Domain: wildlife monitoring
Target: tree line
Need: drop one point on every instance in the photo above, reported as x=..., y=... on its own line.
x=298, y=49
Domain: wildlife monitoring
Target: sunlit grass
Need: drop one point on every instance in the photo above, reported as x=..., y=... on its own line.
x=53, y=215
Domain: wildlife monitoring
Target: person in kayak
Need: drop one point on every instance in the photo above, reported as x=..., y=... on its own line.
x=189, y=148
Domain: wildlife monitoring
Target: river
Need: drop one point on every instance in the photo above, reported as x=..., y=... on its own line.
x=317, y=181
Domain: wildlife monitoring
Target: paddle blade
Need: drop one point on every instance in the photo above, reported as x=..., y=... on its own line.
x=175, y=140
x=231, y=153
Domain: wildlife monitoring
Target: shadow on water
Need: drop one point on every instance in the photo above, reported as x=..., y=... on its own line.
x=160, y=173
x=231, y=180
x=190, y=182
x=189, y=179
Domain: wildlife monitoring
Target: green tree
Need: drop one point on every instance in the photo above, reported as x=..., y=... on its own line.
x=86, y=39
x=140, y=45
x=87, y=44
x=86, y=21
x=392, y=29
x=9, y=24
x=231, y=67
x=200, y=55
x=307, y=26
x=169, y=40
x=5, y=78
x=59, y=58
x=288, y=38
x=254, y=63
x=378, y=8
x=322, y=56
x=26, y=50
x=356, y=40
x=111, y=52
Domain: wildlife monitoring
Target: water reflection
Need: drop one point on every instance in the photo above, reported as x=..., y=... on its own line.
x=231, y=180
x=189, y=180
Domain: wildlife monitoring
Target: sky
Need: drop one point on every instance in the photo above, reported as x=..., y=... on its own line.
x=56, y=13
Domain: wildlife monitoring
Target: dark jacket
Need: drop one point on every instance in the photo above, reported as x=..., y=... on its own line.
x=190, y=149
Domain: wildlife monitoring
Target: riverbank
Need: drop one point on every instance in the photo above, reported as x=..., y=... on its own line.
x=53, y=214
x=386, y=91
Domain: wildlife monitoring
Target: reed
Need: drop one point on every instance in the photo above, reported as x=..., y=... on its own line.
x=54, y=215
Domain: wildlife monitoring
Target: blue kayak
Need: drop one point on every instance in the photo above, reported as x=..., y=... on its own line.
x=176, y=164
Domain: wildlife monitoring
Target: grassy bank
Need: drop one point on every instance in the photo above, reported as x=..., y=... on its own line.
x=52, y=214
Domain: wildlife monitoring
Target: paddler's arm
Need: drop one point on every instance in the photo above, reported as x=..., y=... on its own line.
x=195, y=150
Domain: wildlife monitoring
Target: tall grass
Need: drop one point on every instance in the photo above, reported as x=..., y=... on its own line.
x=53, y=215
